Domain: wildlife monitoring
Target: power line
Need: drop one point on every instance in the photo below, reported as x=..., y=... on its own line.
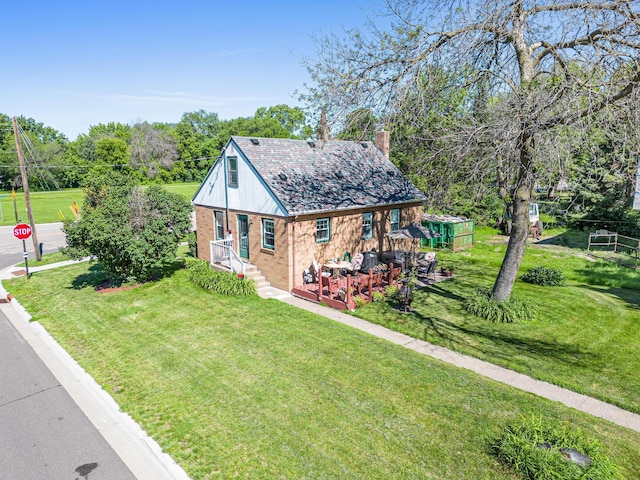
x=115, y=165
x=35, y=164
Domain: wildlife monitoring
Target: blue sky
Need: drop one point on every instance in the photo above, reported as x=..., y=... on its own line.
x=73, y=64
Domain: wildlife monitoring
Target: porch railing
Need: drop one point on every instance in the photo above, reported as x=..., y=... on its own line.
x=222, y=252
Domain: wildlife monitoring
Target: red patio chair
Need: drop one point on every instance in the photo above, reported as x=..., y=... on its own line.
x=394, y=273
x=361, y=282
x=332, y=286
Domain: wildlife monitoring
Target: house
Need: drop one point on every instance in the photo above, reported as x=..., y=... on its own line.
x=289, y=202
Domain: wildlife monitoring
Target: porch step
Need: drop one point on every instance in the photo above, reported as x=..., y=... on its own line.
x=252, y=272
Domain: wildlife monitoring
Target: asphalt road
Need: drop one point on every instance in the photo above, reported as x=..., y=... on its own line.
x=11, y=249
x=43, y=433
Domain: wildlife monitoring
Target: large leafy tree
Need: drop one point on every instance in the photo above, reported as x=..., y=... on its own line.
x=531, y=69
x=291, y=119
x=43, y=147
x=197, y=143
x=132, y=232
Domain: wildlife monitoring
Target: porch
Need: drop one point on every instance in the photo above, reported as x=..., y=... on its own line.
x=340, y=292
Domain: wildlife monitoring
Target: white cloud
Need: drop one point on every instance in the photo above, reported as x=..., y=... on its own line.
x=158, y=98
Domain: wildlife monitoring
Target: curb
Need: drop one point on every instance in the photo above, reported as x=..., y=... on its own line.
x=139, y=452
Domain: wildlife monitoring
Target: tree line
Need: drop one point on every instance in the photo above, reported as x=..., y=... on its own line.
x=148, y=152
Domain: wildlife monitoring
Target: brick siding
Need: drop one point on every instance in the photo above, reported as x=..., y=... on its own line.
x=295, y=241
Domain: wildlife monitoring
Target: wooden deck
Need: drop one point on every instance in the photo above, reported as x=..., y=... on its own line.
x=359, y=286
x=312, y=292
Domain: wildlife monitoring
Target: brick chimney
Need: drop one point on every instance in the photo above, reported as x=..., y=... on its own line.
x=382, y=142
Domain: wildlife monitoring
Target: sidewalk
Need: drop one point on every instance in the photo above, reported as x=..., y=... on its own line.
x=571, y=399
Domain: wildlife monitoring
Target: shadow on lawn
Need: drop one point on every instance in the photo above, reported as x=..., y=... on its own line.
x=574, y=239
x=443, y=292
x=497, y=342
x=96, y=276
x=615, y=278
x=631, y=297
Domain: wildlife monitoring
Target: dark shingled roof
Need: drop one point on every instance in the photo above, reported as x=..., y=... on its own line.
x=327, y=175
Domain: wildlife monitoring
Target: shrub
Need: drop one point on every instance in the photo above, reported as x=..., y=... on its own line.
x=547, y=277
x=511, y=311
x=390, y=291
x=360, y=302
x=377, y=296
x=133, y=233
x=192, y=240
x=539, y=451
x=224, y=283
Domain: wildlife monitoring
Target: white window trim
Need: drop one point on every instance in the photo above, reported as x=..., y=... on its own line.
x=230, y=180
x=370, y=216
x=391, y=222
x=328, y=230
x=264, y=234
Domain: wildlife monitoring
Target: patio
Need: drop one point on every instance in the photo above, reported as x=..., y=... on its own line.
x=361, y=285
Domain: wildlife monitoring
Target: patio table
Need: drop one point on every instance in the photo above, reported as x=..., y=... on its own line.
x=337, y=266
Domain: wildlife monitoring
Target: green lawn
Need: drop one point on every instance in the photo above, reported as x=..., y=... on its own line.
x=46, y=205
x=253, y=388
x=586, y=338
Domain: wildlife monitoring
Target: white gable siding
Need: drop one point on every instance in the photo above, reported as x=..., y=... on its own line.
x=211, y=192
x=251, y=194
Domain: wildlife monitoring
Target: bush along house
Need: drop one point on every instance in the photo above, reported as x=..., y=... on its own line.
x=281, y=204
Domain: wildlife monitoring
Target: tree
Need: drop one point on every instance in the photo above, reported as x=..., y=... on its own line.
x=530, y=69
x=112, y=152
x=359, y=125
x=291, y=119
x=151, y=149
x=197, y=136
x=42, y=146
x=133, y=233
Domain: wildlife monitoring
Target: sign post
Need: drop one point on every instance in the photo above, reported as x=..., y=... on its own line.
x=22, y=231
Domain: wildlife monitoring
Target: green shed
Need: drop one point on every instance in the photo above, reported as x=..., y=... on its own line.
x=456, y=233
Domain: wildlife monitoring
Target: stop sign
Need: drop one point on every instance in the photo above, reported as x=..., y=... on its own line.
x=22, y=231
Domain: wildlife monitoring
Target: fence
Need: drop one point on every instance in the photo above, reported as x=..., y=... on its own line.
x=222, y=252
x=613, y=242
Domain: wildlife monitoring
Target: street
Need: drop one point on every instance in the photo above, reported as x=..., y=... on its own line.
x=43, y=433
x=49, y=234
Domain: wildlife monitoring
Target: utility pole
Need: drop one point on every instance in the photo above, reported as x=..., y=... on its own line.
x=25, y=186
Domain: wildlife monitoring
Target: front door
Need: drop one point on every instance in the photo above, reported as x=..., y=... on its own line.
x=243, y=235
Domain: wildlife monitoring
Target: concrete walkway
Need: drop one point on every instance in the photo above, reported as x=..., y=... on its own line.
x=571, y=399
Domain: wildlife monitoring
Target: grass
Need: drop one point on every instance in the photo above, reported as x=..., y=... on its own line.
x=586, y=335
x=46, y=205
x=47, y=259
x=246, y=387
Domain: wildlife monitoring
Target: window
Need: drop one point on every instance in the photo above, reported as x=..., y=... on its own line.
x=268, y=234
x=323, y=230
x=367, y=225
x=395, y=219
x=232, y=168
x=219, y=219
